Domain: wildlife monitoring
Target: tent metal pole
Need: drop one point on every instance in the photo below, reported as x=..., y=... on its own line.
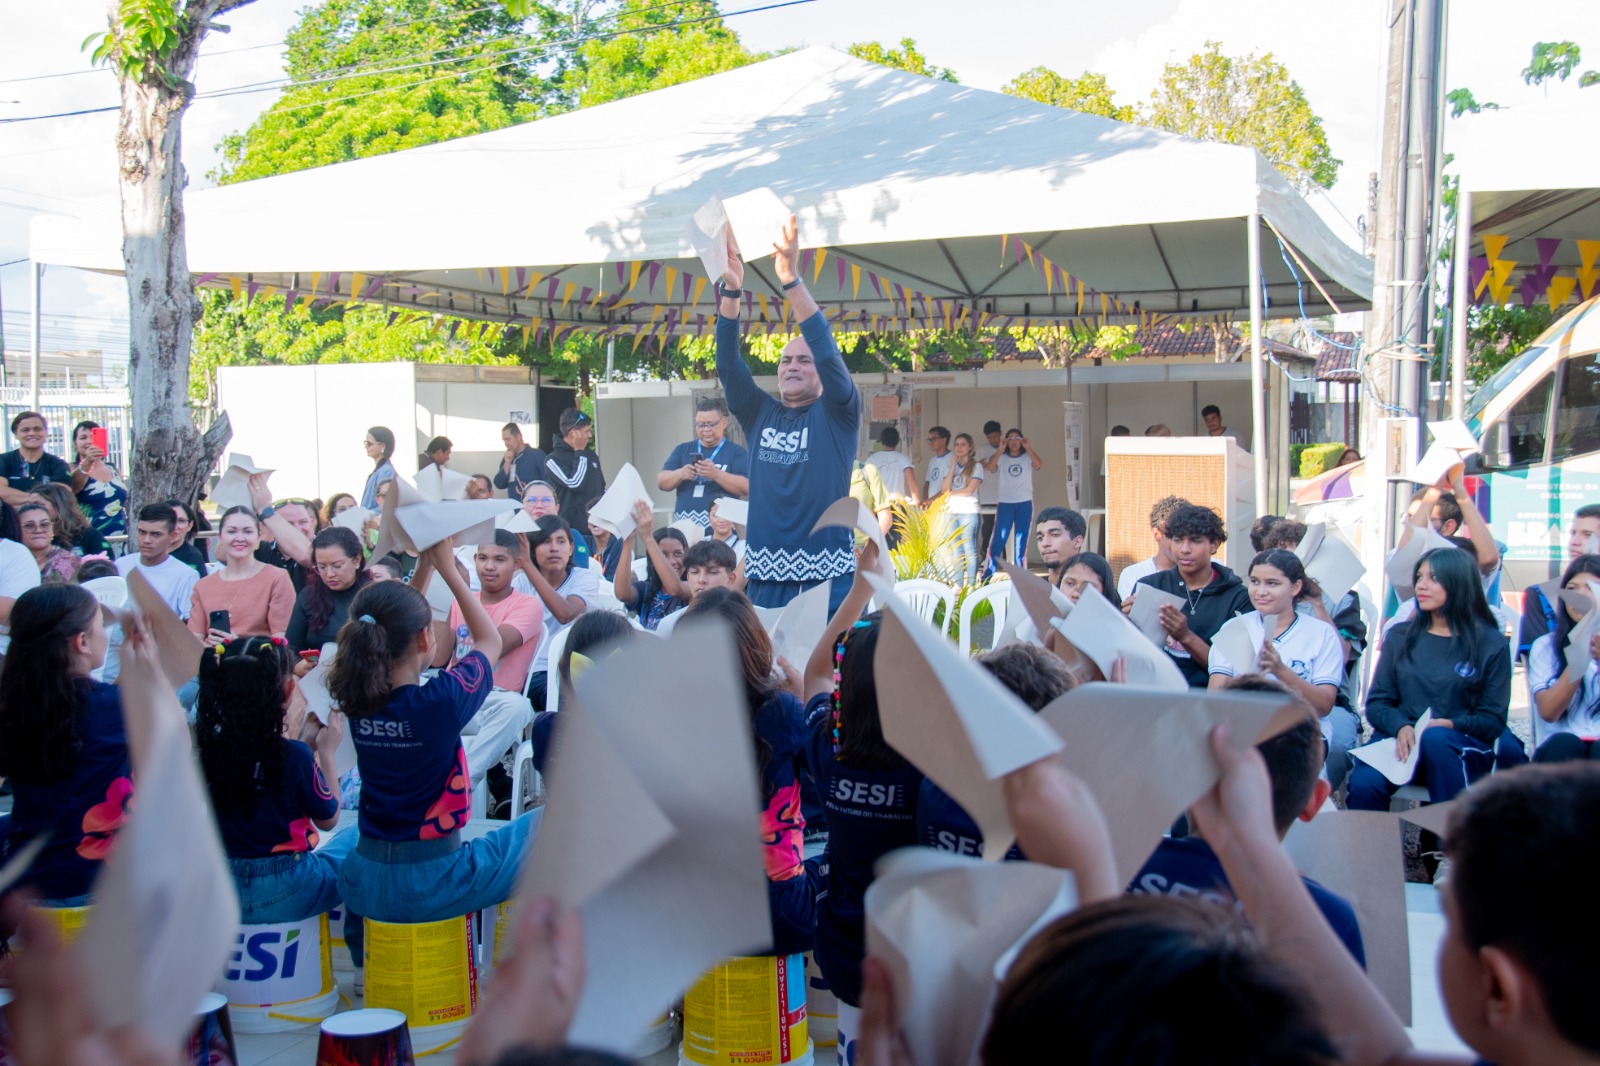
x=35, y=283
x=1258, y=385
x=1461, y=300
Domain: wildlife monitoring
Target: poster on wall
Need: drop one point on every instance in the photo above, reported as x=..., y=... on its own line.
x=1072, y=414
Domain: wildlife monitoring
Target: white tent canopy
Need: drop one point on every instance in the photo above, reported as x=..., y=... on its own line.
x=912, y=179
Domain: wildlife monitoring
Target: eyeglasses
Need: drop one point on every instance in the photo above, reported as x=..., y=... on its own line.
x=370, y=444
x=708, y=425
x=538, y=499
x=334, y=568
x=37, y=527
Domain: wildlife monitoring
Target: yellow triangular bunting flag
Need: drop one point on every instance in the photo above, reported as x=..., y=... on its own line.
x=1493, y=245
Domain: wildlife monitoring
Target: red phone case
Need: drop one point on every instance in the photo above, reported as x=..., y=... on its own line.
x=100, y=438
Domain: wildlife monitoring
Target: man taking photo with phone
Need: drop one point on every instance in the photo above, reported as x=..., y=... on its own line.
x=707, y=468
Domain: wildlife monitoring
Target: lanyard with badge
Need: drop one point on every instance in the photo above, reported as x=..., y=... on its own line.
x=700, y=482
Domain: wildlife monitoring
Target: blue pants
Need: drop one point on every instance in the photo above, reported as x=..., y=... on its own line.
x=1566, y=747
x=420, y=882
x=1449, y=761
x=967, y=552
x=296, y=886
x=1340, y=729
x=779, y=593
x=1012, y=523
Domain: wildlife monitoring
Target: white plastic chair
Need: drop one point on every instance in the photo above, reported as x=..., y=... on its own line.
x=525, y=780
x=558, y=644
x=925, y=596
x=998, y=595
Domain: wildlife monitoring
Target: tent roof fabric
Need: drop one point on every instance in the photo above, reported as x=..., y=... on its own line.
x=910, y=179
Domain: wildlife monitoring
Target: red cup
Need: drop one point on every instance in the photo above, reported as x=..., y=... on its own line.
x=370, y=1037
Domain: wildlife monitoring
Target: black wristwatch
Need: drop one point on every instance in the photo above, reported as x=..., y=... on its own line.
x=267, y=512
x=725, y=293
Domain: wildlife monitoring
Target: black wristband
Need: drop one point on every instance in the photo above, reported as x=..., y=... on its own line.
x=791, y=284
x=725, y=293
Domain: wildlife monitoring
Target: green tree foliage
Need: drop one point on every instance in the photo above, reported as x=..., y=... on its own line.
x=1551, y=59
x=906, y=57
x=1088, y=93
x=1249, y=100
x=1462, y=102
x=376, y=76
x=647, y=45
x=1496, y=335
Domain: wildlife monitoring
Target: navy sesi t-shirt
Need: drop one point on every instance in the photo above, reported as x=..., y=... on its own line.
x=870, y=813
x=283, y=819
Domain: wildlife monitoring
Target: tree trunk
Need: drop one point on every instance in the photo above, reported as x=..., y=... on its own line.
x=170, y=457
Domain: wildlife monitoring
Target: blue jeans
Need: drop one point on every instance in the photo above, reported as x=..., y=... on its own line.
x=1011, y=523
x=1447, y=762
x=419, y=881
x=295, y=886
x=967, y=552
x=1341, y=730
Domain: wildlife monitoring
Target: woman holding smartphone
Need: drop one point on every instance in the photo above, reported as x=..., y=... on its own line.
x=103, y=496
x=247, y=597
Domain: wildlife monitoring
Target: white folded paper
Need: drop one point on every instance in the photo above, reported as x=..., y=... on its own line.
x=952, y=719
x=436, y=484
x=679, y=882
x=757, y=216
x=176, y=645
x=1402, y=562
x=518, y=521
x=112, y=592
x=319, y=704
x=847, y=512
x=1455, y=435
x=1102, y=633
x=1436, y=465
x=413, y=523
x=613, y=511
x=1580, y=639
x=732, y=510
x=947, y=927
x=233, y=487
x=1330, y=560
x=166, y=913
x=691, y=532
x=1234, y=647
x=1146, y=756
x=354, y=519
x=798, y=626
x=1381, y=757
x=1146, y=612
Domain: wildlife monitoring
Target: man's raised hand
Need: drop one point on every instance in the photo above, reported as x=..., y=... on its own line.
x=786, y=252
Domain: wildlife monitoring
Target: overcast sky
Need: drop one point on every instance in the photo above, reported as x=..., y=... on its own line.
x=1335, y=51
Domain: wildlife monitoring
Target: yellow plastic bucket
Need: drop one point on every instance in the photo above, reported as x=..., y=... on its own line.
x=280, y=976
x=747, y=1012
x=427, y=971
x=822, y=1006
x=68, y=921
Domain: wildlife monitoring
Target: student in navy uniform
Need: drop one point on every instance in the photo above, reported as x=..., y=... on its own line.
x=777, y=724
x=65, y=752
x=1211, y=592
x=1034, y=676
x=1538, y=613
x=410, y=863
x=869, y=792
x=661, y=592
x=270, y=793
x=1566, y=693
x=522, y=464
x=1452, y=659
x=28, y=464
x=706, y=469
x=1188, y=866
x=804, y=442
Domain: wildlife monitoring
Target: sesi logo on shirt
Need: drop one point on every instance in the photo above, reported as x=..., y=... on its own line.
x=784, y=449
x=372, y=728
x=847, y=791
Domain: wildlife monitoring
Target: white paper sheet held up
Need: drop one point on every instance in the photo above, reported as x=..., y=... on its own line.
x=166, y=912
x=952, y=719
x=1381, y=757
x=1331, y=560
x=1102, y=633
x=731, y=510
x=1235, y=647
x=178, y=648
x=1454, y=434
x=436, y=484
x=354, y=518
x=1146, y=612
x=755, y=218
x=850, y=513
x=1582, y=635
x=1146, y=753
x=679, y=882
x=1436, y=464
x=233, y=487
x=518, y=521
x=798, y=626
x=319, y=702
x=1403, y=560
x=613, y=512
x=691, y=531
x=947, y=927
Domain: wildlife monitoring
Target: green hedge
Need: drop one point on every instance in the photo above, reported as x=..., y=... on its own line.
x=1318, y=458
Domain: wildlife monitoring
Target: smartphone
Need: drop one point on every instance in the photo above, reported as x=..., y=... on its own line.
x=695, y=457
x=311, y=655
x=101, y=438
x=220, y=621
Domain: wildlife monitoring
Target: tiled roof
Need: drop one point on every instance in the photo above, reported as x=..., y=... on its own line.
x=1338, y=357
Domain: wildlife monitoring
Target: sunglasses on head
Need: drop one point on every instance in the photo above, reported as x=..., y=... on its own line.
x=291, y=499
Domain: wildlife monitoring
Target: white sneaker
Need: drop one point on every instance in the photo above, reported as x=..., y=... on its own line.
x=361, y=981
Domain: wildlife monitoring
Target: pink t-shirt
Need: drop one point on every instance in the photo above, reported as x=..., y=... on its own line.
x=522, y=613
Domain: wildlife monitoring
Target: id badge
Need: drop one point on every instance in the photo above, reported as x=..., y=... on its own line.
x=699, y=491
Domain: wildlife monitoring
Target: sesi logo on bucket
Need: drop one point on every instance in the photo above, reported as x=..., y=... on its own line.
x=784, y=449
x=274, y=953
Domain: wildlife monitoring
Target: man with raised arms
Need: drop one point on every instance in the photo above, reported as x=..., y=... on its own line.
x=802, y=444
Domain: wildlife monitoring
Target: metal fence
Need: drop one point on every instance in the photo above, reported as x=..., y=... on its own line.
x=65, y=408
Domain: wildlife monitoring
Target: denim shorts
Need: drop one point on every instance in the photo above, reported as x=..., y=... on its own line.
x=445, y=883
x=289, y=887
